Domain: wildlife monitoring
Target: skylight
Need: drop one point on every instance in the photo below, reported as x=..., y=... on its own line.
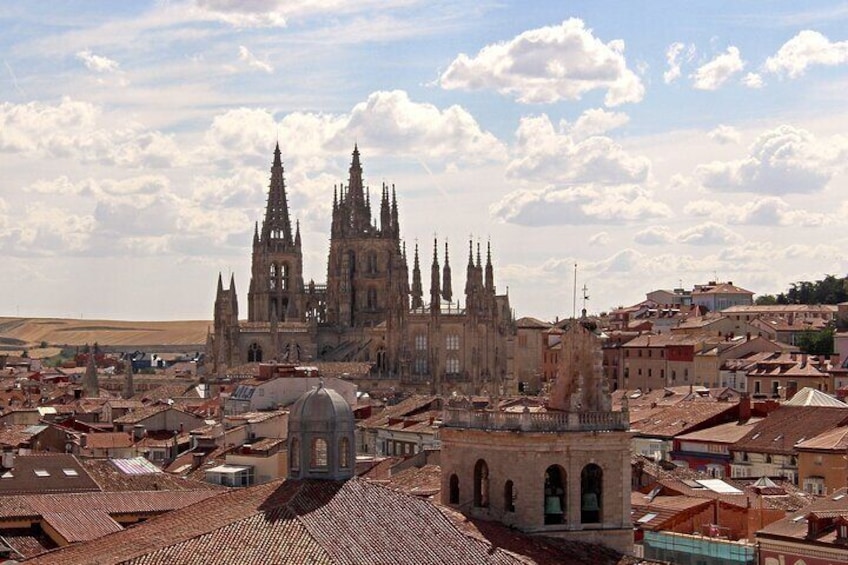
x=70, y=472
x=647, y=518
x=42, y=473
x=839, y=496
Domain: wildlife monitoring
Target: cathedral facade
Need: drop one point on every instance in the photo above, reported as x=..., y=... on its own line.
x=367, y=310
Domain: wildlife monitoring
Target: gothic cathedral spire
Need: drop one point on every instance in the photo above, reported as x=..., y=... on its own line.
x=417, y=290
x=277, y=224
x=447, y=290
x=435, y=291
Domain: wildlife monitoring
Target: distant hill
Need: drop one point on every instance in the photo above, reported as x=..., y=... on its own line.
x=30, y=332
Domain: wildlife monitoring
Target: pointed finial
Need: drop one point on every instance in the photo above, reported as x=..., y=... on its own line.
x=220, y=283
x=479, y=263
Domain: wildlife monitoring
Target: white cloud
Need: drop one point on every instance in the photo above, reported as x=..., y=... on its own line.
x=97, y=63
x=725, y=134
x=252, y=62
x=588, y=204
x=715, y=73
x=47, y=231
x=781, y=161
x=600, y=239
x=541, y=153
x=654, y=235
x=386, y=123
x=675, y=56
x=709, y=233
x=753, y=80
x=596, y=121
x=807, y=48
x=549, y=64
x=764, y=211
x=255, y=13
x=79, y=130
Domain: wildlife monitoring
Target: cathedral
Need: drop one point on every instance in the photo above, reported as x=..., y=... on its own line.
x=367, y=310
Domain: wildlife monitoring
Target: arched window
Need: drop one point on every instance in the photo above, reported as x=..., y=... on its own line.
x=344, y=453
x=371, y=298
x=591, y=491
x=453, y=496
x=294, y=454
x=509, y=497
x=372, y=263
x=319, y=453
x=481, y=484
x=254, y=353
x=555, y=500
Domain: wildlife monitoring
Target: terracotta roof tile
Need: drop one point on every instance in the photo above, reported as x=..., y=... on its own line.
x=354, y=522
x=788, y=425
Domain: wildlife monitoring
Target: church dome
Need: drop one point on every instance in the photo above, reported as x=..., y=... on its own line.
x=321, y=409
x=321, y=436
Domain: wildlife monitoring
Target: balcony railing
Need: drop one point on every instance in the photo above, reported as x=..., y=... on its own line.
x=536, y=421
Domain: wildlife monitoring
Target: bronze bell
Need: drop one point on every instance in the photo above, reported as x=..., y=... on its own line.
x=553, y=505
x=590, y=502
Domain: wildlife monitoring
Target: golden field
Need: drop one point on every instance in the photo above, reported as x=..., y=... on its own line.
x=30, y=332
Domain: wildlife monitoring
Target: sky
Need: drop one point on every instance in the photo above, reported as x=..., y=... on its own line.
x=651, y=144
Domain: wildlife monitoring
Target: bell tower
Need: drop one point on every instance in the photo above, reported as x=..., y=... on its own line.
x=560, y=471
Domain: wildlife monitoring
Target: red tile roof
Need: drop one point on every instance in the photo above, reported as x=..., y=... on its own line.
x=320, y=522
x=788, y=425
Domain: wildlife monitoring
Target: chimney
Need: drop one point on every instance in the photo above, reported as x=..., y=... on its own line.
x=83, y=441
x=196, y=460
x=803, y=360
x=8, y=460
x=744, y=408
x=138, y=432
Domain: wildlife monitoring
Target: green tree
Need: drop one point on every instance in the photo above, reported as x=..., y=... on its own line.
x=766, y=300
x=816, y=343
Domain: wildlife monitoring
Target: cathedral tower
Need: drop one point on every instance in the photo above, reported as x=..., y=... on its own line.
x=367, y=277
x=276, y=283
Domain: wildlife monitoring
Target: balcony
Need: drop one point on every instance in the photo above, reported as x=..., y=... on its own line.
x=536, y=421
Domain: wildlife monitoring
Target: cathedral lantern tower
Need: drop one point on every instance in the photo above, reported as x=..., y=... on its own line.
x=276, y=283
x=367, y=276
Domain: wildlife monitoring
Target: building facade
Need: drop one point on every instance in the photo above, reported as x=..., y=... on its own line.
x=367, y=310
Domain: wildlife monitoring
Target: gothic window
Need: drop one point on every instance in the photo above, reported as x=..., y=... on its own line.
x=591, y=490
x=254, y=353
x=452, y=342
x=344, y=453
x=319, y=453
x=371, y=298
x=509, y=497
x=420, y=365
x=421, y=342
x=284, y=276
x=295, y=454
x=372, y=263
x=272, y=279
x=452, y=366
x=481, y=484
x=554, y=500
x=453, y=497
